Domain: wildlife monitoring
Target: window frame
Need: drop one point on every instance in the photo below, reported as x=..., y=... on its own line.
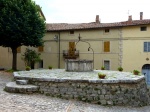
x=146, y=47
x=19, y=49
x=109, y=64
x=71, y=32
x=143, y=28
x=40, y=47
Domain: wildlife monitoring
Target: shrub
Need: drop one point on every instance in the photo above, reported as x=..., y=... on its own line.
x=101, y=75
x=50, y=67
x=102, y=68
x=120, y=69
x=136, y=72
x=28, y=68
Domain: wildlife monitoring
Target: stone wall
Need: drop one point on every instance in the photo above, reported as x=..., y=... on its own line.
x=129, y=94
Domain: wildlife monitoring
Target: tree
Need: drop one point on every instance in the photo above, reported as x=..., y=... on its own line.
x=20, y=24
x=30, y=57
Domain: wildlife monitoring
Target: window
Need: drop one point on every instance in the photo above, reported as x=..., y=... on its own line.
x=106, y=30
x=146, y=46
x=107, y=64
x=19, y=49
x=107, y=46
x=143, y=28
x=71, y=32
x=40, y=48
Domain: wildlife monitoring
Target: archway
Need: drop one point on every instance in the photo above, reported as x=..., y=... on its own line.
x=146, y=72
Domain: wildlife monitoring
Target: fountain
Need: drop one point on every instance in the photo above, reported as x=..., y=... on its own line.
x=72, y=65
x=78, y=65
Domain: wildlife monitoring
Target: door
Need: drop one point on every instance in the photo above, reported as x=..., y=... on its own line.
x=146, y=72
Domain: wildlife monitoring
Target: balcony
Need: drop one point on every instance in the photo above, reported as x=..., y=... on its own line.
x=68, y=54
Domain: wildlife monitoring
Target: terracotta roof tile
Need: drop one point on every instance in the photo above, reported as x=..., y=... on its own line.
x=94, y=25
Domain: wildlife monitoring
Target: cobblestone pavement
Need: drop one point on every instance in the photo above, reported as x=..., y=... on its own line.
x=12, y=102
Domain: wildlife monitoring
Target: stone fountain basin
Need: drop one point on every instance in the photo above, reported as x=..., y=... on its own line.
x=119, y=88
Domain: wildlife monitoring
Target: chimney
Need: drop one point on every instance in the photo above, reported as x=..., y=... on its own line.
x=97, y=19
x=130, y=19
x=141, y=15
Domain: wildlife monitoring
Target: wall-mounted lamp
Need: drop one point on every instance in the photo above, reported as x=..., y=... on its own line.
x=56, y=38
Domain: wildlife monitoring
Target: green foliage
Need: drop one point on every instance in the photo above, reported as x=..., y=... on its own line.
x=101, y=75
x=120, y=69
x=11, y=70
x=30, y=57
x=136, y=72
x=102, y=68
x=20, y=24
x=50, y=67
x=28, y=68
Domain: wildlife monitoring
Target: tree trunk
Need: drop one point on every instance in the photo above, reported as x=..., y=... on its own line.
x=14, y=61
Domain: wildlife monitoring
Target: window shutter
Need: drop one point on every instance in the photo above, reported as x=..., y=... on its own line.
x=107, y=46
x=148, y=46
x=40, y=48
x=19, y=49
x=71, y=48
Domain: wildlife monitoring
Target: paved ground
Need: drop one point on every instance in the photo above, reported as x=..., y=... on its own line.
x=10, y=102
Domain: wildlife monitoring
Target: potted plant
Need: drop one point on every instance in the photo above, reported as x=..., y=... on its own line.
x=120, y=69
x=102, y=68
x=101, y=75
x=28, y=68
x=136, y=72
x=50, y=67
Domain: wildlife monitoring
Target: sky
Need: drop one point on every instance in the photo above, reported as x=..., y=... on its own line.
x=85, y=11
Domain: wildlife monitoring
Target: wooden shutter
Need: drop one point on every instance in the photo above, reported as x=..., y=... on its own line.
x=107, y=46
x=19, y=49
x=40, y=48
x=71, y=48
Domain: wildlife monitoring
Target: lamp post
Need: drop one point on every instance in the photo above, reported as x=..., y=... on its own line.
x=57, y=39
x=79, y=39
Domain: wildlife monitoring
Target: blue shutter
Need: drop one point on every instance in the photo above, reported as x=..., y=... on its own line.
x=145, y=46
x=148, y=46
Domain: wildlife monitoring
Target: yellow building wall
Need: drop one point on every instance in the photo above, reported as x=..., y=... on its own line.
x=94, y=37
x=134, y=56
x=50, y=55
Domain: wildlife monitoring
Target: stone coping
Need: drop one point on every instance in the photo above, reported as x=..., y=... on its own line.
x=60, y=75
x=72, y=60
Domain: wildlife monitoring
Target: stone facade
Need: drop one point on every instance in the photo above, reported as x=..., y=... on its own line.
x=128, y=94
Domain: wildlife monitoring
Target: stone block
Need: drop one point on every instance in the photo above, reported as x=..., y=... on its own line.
x=22, y=82
x=103, y=102
x=110, y=102
x=102, y=97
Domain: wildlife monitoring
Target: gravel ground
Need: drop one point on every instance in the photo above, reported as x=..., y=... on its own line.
x=11, y=102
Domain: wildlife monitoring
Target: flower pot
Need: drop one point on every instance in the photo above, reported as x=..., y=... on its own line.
x=136, y=73
x=102, y=76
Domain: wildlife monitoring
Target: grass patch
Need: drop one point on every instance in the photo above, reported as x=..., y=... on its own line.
x=11, y=70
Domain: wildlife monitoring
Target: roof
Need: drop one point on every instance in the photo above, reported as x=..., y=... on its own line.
x=94, y=25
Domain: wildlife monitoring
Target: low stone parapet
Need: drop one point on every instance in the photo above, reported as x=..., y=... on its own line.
x=130, y=92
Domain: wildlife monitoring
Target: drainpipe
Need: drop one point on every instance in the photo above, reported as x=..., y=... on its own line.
x=59, y=50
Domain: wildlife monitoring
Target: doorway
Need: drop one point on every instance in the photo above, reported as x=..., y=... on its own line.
x=146, y=72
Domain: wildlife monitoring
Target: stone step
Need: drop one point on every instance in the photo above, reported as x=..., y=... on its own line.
x=12, y=87
x=22, y=82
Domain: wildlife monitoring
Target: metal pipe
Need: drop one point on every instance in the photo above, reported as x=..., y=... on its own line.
x=88, y=47
x=59, y=50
